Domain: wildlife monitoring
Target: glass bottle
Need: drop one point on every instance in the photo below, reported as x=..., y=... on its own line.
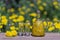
x=27, y=28
x=37, y=29
x=21, y=27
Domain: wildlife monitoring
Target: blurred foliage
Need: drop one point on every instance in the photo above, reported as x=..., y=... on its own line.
x=12, y=12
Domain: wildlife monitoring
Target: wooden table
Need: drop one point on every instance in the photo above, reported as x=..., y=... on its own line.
x=48, y=36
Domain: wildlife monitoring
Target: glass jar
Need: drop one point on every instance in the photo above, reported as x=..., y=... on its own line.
x=38, y=29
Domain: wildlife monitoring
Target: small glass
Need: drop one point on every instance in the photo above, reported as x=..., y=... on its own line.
x=21, y=27
x=27, y=28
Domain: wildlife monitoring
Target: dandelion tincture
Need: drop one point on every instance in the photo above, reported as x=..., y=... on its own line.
x=37, y=29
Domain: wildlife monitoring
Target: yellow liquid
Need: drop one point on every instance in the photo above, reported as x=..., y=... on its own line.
x=38, y=30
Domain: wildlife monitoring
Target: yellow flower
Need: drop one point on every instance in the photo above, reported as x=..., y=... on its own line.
x=3, y=17
x=13, y=16
x=44, y=4
x=55, y=19
x=20, y=18
x=45, y=23
x=41, y=8
x=30, y=27
x=27, y=24
x=51, y=28
x=57, y=7
x=32, y=5
x=21, y=24
x=19, y=9
x=33, y=14
x=8, y=34
x=34, y=19
x=38, y=2
x=1, y=26
x=17, y=28
x=4, y=21
x=14, y=20
x=22, y=12
x=55, y=3
x=12, y=10
x=57, y=25
x=14, y=32
x=12, y=27
x=50, y=23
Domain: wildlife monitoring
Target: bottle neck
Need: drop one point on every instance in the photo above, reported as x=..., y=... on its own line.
x=38, y=15
x=39, y=18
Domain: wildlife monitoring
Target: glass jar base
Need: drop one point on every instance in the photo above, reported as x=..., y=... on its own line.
x=20, y=34
x=38, y=35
